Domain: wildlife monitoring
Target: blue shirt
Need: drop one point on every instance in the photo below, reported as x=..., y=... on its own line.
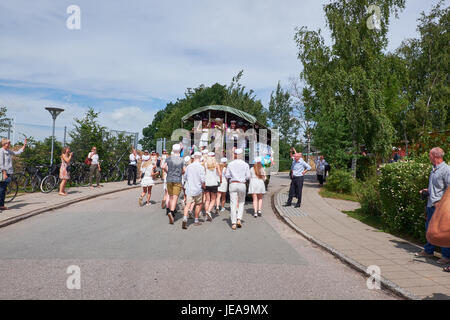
x=438, y=183
x=298, y=167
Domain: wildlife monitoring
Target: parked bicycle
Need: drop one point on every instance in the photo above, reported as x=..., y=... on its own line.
x=115, y=173
x=50, y=181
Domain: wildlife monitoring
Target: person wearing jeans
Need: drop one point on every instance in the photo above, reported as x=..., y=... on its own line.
x=6, y=168
x=132, y=167
x=438, y=184
x=238, y=171
x=94, y=169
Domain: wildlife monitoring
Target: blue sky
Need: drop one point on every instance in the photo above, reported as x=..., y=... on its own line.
x=131, y=57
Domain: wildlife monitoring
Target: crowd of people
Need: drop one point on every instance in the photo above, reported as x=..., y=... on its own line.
x=204, y=183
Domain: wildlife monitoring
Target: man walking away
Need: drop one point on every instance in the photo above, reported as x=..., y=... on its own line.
x=298, y=169
x=195, y=183
x=320, y=170
x=438, y=184
x=132, y=167
x=174, y=167
x=238, y=171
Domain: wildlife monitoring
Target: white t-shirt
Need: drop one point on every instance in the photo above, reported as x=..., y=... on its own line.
x=134, y=159
x=93, y=157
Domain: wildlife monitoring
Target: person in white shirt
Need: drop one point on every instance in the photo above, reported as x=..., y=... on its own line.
x=257, y=187
x=94, y=169
x=212, y=182
x=238, y=171
x=147, y=183
x=165, y=200
x=222, y=190
x=132, y=167
x=195, y=183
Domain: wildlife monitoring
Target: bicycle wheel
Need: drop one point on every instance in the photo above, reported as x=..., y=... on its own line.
x=21, y=180
x=35, y=183
x=116, y=175
x=84, y=179
x=11, y=190
x=48, y=184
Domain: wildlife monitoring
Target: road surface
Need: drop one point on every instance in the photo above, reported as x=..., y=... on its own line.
x=123, y=251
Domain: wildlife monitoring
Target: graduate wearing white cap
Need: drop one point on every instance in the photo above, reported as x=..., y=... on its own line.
x=238, y=171
x=257, y=188
x=195, y=183
x=174, y=167
x=222, y=190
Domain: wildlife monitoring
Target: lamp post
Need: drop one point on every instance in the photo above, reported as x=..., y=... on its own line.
x=54, y=112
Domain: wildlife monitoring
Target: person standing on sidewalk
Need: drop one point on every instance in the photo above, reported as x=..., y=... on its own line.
x=257, y=188
x=64, y=175
x=195, y=184
x=174, y=167
x=6, y=167
x=320, y=170
x=132, y=166
x=94, y=168
x=298, y=169
x=438, y=184
x=238, y=171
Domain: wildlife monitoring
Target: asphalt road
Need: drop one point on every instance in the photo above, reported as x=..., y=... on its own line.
x=124, y=251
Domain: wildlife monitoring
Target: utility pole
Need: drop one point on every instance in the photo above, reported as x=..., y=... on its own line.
x=65, y=132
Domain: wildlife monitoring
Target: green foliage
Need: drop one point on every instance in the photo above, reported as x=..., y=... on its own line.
x=399, y=186
x=3, y=120
x=88, y=133
x=426, y=81
x=169, y=118
x=366, y=168
x=369, y=196
x=340, y=181
x=280, y=111
x=39, y=152
x=345, y=82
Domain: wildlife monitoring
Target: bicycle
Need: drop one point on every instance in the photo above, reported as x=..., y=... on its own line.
x=79, y=174
x=12, y=187
x=50, y=181
x=33, y=177
x=115, y=173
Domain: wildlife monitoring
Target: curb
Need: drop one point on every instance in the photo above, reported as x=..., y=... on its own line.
x=62, y=205
x=352, y=263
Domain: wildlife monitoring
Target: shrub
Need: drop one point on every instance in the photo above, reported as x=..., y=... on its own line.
x=366, y=167
x=403, y=210
x=340, y=181
x=369, y=196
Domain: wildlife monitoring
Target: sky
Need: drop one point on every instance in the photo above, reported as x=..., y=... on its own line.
x=130, y=58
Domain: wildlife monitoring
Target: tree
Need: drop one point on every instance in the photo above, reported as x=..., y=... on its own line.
x=280, y=115
x=87, y=133
x=427, y=75
x=169, y=118
x=345, y=82
x=4, y=125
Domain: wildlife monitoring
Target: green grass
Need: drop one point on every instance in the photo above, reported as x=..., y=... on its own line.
x=336, y=195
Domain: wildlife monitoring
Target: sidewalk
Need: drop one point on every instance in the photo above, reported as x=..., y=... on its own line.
x=30, y=204
x=360, y=245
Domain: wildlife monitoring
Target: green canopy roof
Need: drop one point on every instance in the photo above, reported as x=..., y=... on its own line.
x=244, y=115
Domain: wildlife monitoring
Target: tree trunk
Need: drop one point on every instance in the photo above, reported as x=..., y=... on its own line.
x=354, y=158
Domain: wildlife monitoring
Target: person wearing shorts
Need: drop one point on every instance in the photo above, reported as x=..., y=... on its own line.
x=195, y=183
x=222, y=190
x=212, y=181
x=174, y=167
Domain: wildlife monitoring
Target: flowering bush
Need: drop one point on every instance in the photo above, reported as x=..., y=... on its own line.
x=399, y=186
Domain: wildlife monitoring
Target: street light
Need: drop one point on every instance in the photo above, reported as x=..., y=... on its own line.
x=54, y=112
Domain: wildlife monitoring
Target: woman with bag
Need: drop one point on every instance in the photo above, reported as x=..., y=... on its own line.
x=213, y=179
x=94, y=167
x=257, y=188
x=64, y=175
